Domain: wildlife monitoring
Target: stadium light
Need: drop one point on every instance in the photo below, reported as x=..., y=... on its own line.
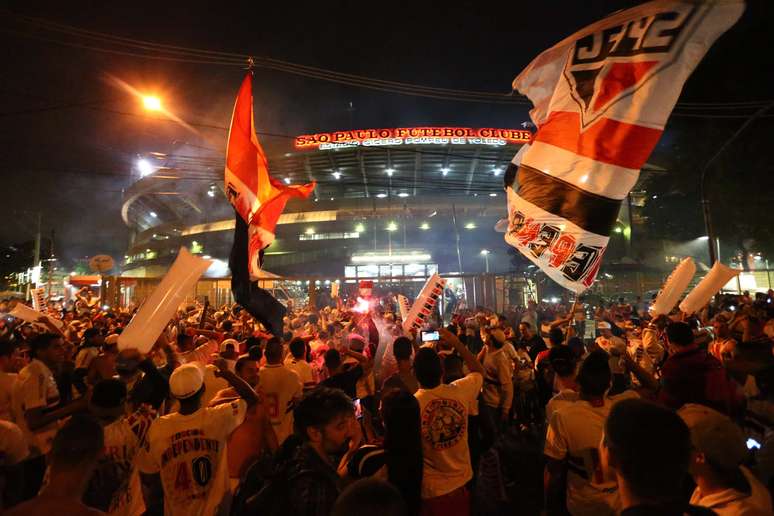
x=309, y=231
x=403, y=194
x=287, y=180
x=381, y=195
x=492, y=194
x=425, y=226
x=360, y=228
x=445, y=171
x=390, y=171
x=337, y=175
x=154, y=214
x=497, y=171
x=392, y=226
x=470, y=225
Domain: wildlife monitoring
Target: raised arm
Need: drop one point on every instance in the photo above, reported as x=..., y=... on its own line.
x=242, y=388
x=470, y=360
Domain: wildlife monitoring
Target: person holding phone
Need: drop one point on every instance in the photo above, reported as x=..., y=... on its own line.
x=444, y=413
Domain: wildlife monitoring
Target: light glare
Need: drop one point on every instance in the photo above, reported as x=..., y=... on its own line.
x=151, y=103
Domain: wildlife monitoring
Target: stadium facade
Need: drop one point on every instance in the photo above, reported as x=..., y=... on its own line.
x=389, y=202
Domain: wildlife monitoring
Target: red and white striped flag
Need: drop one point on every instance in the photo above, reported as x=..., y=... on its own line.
x=256, y=196
x=601, y=99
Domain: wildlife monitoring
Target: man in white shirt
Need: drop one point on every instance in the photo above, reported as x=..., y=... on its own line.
x=114, y=486
x=444, y=426
x=573, y=467
x=35, y=401
x=722, y=483
x=281, y=388
x=498, y=386
x=295, y=361
x=187, y=449
x=563, y=363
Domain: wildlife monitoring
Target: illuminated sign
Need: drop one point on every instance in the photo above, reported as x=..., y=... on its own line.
x=412, y=136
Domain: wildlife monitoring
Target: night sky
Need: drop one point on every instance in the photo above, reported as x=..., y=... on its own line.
x=69, y=137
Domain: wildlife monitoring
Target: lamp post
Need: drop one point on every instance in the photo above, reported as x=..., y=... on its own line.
x=485, y=254
x=705, y=203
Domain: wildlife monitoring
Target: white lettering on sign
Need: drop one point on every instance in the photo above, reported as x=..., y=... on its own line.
x=385, y=142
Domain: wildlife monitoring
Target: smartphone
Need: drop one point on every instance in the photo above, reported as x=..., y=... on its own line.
x=753, y=444
x=430, y=336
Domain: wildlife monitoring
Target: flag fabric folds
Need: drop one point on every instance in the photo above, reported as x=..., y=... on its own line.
x=601, y=99
x=257, y=197
x=257, y=301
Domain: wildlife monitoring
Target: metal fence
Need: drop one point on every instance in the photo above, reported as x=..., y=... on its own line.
x=496, y=291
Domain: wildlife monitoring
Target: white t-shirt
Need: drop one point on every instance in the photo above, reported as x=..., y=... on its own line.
x=281, y=387
x=7, y=380
x=302, y=369
x=115, y=484
x=444, y=425
x=35, y=387
x=731, y=502
x=563, y=398
x=574, y=433
x=85, y=356
x=498, y=385
x=13, y=446
x=190, y=453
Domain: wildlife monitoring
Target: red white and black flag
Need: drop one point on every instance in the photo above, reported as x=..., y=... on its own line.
x=601, y=99
x=257, y=197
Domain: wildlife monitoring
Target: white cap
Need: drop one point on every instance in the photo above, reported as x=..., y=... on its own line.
x=186, y=381
x=226, y=342
x=604, y=325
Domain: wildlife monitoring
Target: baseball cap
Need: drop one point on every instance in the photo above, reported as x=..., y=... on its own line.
x=715, y=435
x=186, y=381
x=604, y=325
x=226, y=342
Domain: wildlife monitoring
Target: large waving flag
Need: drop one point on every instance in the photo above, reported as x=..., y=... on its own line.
x=258, y=198
x=601, y=99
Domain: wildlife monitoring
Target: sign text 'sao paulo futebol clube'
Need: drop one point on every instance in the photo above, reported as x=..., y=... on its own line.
x=602, y=98
x=412, y=136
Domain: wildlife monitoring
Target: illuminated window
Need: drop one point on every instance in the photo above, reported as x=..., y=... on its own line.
x=328, y=236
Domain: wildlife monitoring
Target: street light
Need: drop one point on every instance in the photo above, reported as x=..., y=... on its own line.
x=151, y=103
x=485, y=254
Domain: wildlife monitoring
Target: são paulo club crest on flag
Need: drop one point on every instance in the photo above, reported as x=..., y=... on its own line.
x=601, y=99
x=258, y=198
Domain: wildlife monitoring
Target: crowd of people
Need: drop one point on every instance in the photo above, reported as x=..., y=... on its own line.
x=552, y=408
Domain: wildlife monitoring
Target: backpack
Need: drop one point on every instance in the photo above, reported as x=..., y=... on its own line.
x=265, y=489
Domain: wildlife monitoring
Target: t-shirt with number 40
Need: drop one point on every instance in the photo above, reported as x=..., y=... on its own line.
x=189, y=451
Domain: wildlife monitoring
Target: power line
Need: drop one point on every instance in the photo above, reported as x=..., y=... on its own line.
x=150, y=50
